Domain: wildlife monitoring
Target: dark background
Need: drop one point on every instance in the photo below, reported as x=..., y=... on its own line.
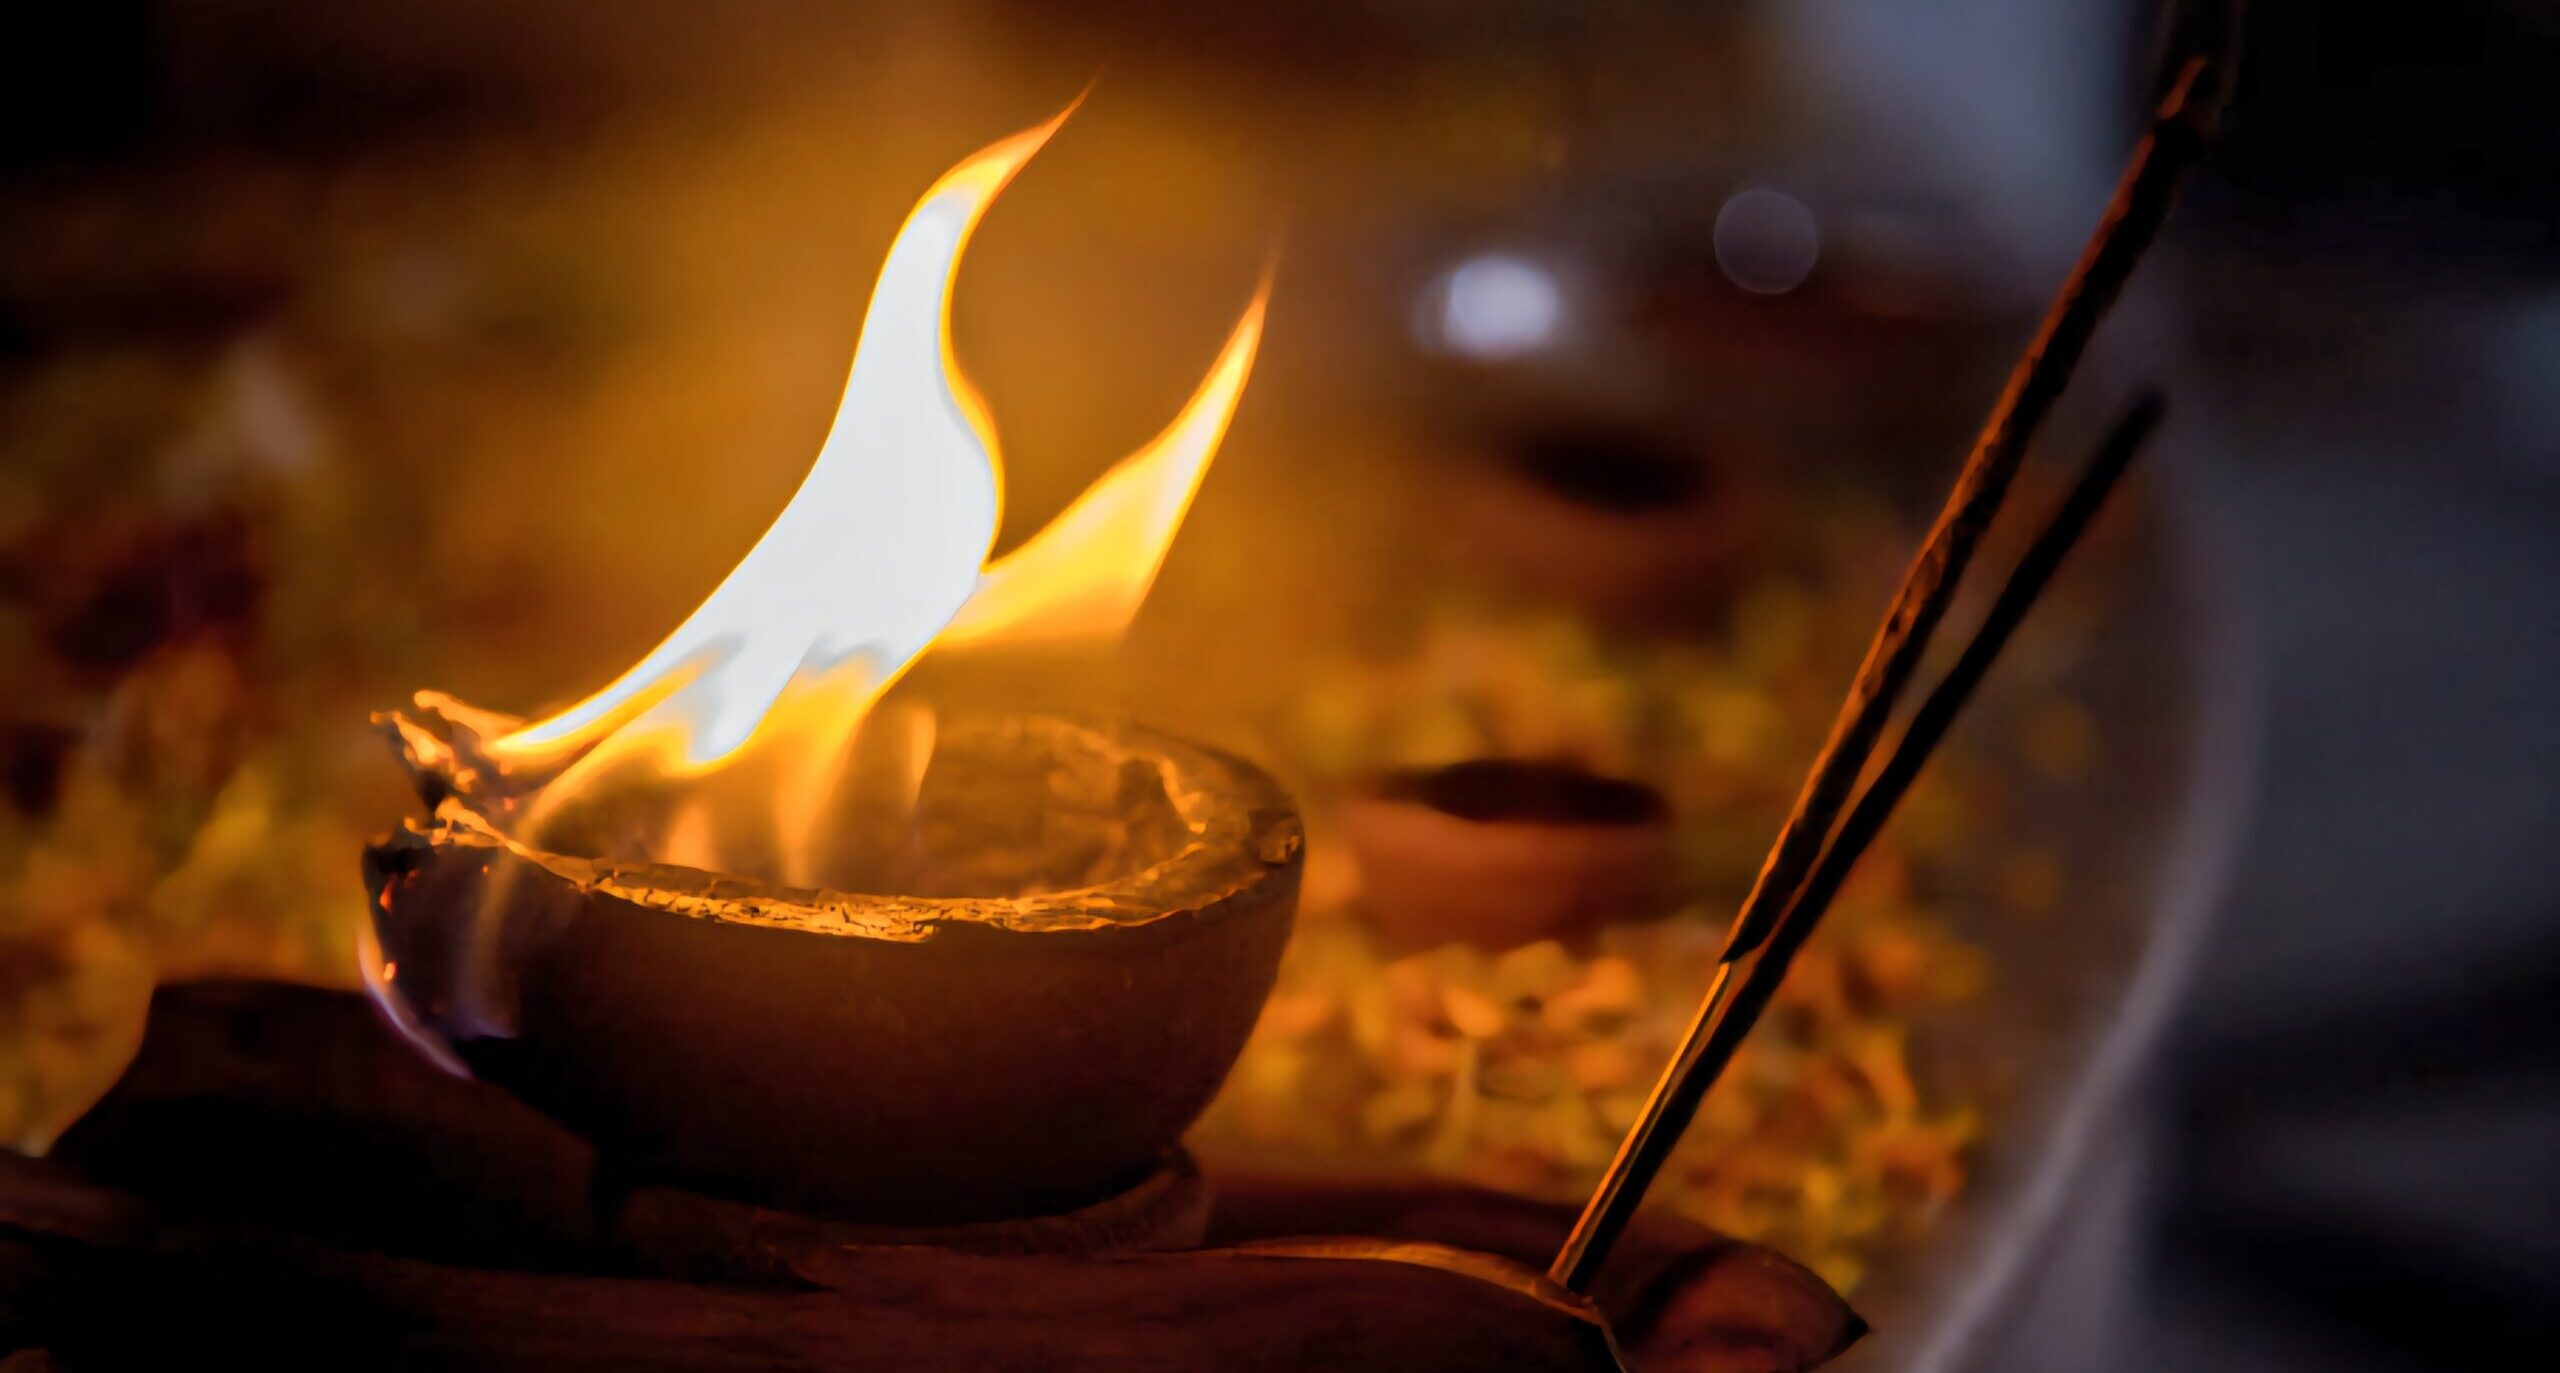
x=2353, y=1151
x=2358, y=1111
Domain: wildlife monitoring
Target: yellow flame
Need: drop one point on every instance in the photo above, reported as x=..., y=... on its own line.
x=881, y=553
x=1088, y=571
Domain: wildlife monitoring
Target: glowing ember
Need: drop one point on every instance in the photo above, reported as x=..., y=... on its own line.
x=881, y=553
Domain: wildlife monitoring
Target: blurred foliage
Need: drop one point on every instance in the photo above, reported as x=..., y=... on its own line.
x=1831, y=1138
x=164, y=819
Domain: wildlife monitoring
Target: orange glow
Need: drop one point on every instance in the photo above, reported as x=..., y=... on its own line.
x=689, y=841
x=882, y=552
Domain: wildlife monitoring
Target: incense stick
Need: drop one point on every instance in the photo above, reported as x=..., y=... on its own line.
x=2149, y=186
x=1928, y=726
x=1722, y=1026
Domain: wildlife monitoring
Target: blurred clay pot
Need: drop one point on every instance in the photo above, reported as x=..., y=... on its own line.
x=1609, y=519
x=1498, y=853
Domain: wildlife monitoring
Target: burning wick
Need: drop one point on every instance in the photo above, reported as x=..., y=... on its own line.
x=880, y=556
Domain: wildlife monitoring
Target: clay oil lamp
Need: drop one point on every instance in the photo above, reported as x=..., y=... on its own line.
x=1501, y=852
x=760, y=940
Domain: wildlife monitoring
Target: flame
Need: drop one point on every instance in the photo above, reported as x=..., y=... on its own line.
x=1085, y=575
x=881, y=553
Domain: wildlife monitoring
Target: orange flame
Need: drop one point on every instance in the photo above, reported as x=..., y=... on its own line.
x=881, y=553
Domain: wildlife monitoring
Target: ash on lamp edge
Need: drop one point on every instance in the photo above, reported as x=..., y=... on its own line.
x=1241, y=823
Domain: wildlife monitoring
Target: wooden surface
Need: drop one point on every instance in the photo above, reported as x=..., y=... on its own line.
x=279, y=1179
